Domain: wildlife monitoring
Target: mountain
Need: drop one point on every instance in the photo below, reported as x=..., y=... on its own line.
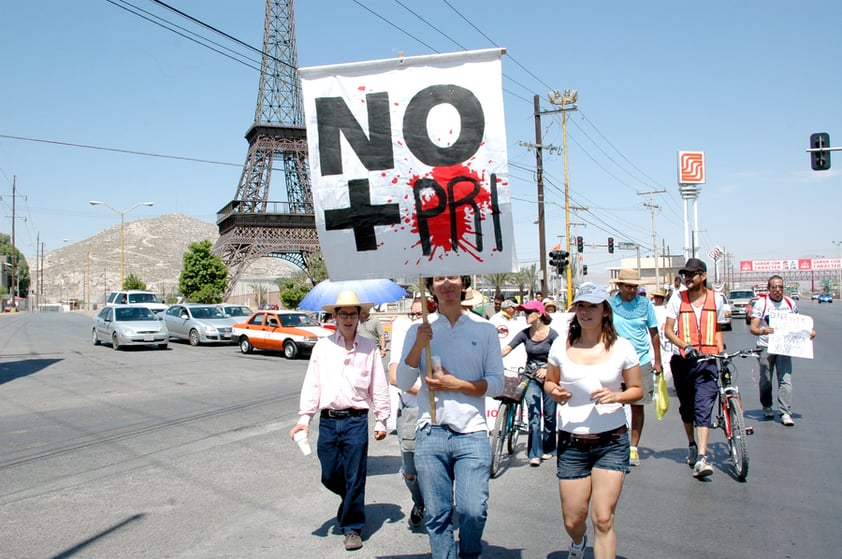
x=154, y=250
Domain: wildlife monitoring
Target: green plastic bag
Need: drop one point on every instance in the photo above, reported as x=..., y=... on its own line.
x=662, y=397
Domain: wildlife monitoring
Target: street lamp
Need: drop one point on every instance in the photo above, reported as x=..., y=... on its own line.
x=122, y=232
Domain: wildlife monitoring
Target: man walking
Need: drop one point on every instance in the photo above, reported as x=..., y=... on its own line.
x=780, y=365
x=408, y=415
x=692, y=325
x=453, y=453
x=344, y=379
x=635, y=320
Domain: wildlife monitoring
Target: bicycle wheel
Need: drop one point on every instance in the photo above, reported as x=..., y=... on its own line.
x=514, y=426
x=737, y=441
x=498, y=437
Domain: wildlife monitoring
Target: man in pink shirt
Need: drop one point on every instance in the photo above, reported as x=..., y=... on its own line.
x=344, y=379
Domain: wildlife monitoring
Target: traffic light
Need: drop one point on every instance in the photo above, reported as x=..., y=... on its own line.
x=580, y=244
x=610, y=245
x=820, y=160
x=584, y=269
x=558, y=259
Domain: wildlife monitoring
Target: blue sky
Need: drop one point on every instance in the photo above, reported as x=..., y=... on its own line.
x=746, y=82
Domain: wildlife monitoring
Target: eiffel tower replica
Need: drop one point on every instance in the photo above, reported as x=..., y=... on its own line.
x=251, y=226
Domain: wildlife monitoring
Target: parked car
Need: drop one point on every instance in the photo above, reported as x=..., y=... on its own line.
x=126, y=325
x=235, y=311
x=825, y=298
x=136, y=297
x=293, y=332
x=198, y=323
x=725, y=324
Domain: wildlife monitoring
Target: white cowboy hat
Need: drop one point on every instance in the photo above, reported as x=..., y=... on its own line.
x=629, y=277
x=347, y=299
x=472, y=298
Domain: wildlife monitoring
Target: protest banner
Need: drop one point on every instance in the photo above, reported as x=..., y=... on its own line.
x=408, y=166
x=792, y=334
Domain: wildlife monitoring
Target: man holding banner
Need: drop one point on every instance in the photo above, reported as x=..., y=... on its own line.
x=770, y=363
x=454, y=451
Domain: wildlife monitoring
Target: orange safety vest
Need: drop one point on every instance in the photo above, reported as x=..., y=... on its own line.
x=701, y=334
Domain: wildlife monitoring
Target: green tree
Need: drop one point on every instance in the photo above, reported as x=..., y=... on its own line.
x=22, y=273
x=499, y=281
x=133, y=282
x=204, y=278
x=293, y=292
x=260, y=290
x=316, y=269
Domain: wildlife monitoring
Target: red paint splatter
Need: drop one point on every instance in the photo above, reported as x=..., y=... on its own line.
x=440, y=227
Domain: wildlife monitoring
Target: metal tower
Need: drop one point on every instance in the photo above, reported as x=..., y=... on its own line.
x=251, y=226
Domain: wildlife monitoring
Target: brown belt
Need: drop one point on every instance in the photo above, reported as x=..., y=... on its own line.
x=591, y=439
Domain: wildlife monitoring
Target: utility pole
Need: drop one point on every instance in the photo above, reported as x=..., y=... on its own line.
x=567, y=100
x=13, y=288
x=652, y=207
x=539, y=165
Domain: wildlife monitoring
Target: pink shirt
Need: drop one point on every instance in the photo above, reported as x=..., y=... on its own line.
x=338, y=379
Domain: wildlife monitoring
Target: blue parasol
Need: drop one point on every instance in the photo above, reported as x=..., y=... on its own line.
x=376, y=291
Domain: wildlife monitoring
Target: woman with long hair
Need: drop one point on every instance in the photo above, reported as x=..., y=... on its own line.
x=592, y=374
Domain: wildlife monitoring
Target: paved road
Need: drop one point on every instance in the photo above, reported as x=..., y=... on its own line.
x=184, y=453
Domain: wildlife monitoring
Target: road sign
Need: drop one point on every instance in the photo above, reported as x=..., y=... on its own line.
x=716, y=253
x=626, y=246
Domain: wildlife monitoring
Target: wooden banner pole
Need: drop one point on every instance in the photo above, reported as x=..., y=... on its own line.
x=429, y=359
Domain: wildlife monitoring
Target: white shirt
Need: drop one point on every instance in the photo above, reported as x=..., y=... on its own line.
x=674, y=307
x=399, y=329
x=592, y=417
x=469, y=350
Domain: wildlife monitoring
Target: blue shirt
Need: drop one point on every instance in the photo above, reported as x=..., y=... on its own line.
x=632, y=320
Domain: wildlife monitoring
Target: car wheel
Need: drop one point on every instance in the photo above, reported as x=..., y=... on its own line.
x=162, y=346
x=114, y=342
x=94, y=337
x=194, y=337
x=245, y=345
x=290, y=349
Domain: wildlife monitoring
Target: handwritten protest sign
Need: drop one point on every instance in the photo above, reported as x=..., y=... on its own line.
x=792, y=334
x=409, y=167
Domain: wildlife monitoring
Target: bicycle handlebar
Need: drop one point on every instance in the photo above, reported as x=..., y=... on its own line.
x=728, y=356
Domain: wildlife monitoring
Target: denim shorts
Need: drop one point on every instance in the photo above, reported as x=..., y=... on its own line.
x=576, y=462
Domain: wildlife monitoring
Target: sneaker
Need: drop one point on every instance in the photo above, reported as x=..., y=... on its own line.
x=577, y=551
x=692, y=453
x=634, y=457
x=534, y=462
x=416, y=516
x=786, y=419
x=546, y=456
x=353, y=541
x=702, y=468
x=768, y=413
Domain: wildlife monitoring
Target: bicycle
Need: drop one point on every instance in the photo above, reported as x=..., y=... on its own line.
x=730, y=416
x=509, y=422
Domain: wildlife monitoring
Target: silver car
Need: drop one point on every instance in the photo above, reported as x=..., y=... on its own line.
x=125, y=325
x=235, y=311
x=198, y=323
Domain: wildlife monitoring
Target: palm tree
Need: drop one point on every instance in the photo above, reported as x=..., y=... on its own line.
x=499, y=281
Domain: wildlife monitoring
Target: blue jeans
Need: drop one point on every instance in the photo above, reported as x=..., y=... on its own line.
x=780, y=365
x=446, y=459
x=343, y=454
x=540, y=405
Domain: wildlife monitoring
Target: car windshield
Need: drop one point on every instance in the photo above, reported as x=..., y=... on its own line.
x=298, y=320
x=135, y=298
x=207, y=312
x=133, y=314
x=238, y=311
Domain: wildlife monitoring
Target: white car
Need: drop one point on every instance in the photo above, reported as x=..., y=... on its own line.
x=125, y=325
x=725, y=324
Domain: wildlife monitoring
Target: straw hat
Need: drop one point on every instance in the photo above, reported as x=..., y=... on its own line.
x=472, y=298
x=347, y=299
x=659, y=293
x=629, y=277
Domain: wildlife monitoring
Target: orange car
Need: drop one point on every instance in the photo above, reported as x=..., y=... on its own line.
x=292, y=332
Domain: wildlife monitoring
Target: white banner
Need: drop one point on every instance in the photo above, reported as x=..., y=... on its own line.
x=409, y=167
x=791, y=335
